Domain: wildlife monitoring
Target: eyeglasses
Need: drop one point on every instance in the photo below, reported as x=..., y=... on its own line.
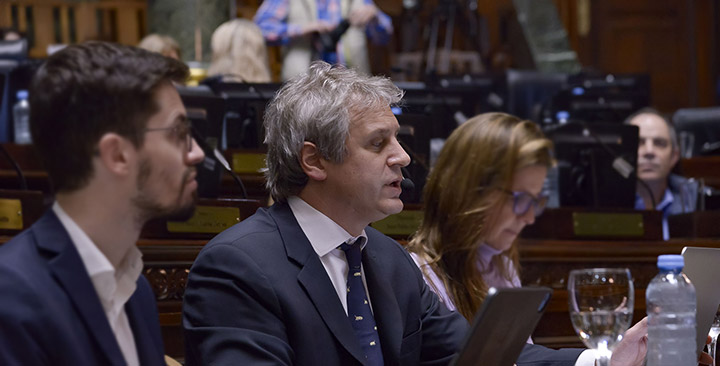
x=523, y=200
x=180, y=130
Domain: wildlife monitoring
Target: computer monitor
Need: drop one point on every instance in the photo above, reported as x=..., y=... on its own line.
x=14, y=50
x=206, y=111
x=449, y=101
x=701, y=123
x=601, y=97
x=245, y=108
x=529, y=92
x=595, y=164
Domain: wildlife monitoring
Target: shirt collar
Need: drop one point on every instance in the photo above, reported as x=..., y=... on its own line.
x=485, y=254
x=665, y=202
x=323, y=233
x=113, y=286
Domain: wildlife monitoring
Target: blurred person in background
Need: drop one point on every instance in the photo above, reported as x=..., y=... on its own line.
x=658, y=152
x=239, y=53
x=164, y=45
x=305, y=30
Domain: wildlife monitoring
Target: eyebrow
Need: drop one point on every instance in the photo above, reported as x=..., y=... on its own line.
x=181, y=118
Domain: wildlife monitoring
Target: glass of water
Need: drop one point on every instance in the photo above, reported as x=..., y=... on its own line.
x=601, y=307
x=714, y=331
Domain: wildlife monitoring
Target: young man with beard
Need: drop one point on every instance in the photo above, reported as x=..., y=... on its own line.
x=114, y=138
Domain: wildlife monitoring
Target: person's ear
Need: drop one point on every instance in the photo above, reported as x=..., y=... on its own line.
x=674, y=156
x=312, y=162
x=115, y=153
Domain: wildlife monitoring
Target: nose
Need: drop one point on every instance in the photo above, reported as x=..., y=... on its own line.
x=647, y=148
x=529, y=217
x=398, y=156
x=195, y=155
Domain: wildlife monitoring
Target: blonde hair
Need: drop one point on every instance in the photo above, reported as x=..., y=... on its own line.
x=479, y=157
x=161, y=44
x=239, y=52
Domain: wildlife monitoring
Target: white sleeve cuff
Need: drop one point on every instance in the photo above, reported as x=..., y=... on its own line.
x=586, y=358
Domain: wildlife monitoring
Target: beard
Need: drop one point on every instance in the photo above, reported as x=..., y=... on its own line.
x=149, y=208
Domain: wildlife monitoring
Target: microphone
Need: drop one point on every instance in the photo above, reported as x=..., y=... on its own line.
x=217, y=155
x=330, y=39
x=406, y=184
x=21, y=177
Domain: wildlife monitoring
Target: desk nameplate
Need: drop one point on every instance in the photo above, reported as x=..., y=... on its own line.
x=248, y=163
x=207, y=219
x=404, y=223
x=11, y=215
x=609, y=224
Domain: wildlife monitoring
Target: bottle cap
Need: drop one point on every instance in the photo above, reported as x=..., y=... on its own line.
x=670, y=261
x=562, y=116
x=22, y=94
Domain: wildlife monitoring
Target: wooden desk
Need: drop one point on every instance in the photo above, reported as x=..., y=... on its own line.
x=548, y=262
x=543, y=263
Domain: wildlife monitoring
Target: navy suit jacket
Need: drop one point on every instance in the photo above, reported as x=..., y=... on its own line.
x=50, y=313
x=259, y=295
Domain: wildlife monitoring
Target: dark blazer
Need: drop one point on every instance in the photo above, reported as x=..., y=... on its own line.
x=258, y=295
x=50, y=313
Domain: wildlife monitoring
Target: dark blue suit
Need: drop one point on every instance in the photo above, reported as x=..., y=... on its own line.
x=50, y=313
x=259, y=295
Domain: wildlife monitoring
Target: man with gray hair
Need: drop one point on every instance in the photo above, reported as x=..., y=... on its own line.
x=274, y=288
x=658, y=152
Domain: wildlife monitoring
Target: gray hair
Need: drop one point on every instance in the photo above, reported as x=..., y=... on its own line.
x=316, y=106
x=655, y=112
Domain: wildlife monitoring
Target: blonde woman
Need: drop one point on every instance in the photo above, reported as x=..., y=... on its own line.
x=239, y=53
x=485, y=187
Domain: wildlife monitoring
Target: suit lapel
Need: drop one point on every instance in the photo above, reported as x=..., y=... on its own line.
x=384, y=301
x=68, y=269
x=314, y=279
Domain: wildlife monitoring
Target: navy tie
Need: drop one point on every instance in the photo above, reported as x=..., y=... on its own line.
x=358, y=307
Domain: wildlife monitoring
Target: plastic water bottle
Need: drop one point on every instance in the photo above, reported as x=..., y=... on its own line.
x=671, y=308
x=21, y=118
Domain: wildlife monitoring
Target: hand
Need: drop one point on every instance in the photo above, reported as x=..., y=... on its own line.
x=632, y=348
x=705, y=358
x=361, y=16
x=318, y=26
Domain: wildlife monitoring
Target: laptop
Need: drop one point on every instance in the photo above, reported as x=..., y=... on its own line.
x=502, y=326
x=702, y=266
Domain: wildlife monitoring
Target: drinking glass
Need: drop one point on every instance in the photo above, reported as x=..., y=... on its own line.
x=601, y=307
x=714, y=331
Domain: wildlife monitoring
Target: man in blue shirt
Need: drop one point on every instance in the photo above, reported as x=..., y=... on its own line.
x=658, y=153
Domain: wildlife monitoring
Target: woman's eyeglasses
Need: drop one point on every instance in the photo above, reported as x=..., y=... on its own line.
x=523, y=200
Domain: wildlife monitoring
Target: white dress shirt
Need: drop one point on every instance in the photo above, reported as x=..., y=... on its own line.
x=325, y=236
x=113, y=286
